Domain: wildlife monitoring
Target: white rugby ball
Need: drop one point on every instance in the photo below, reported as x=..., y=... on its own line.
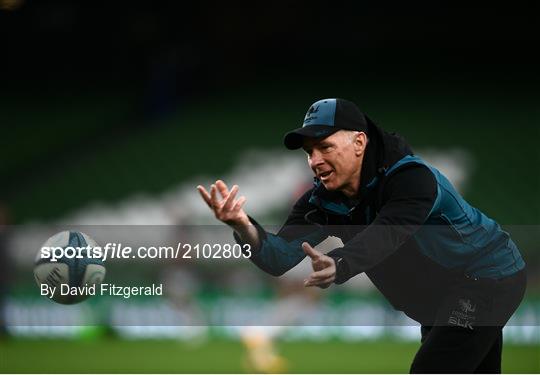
x=67, y=267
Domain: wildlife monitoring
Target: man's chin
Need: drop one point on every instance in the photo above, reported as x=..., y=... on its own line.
x=329, y=186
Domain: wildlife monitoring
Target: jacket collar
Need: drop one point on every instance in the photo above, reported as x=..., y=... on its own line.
x=372, y=165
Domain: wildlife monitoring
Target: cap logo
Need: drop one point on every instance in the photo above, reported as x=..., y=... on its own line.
x=312, y=109
x=321, y=112
x=309, y=115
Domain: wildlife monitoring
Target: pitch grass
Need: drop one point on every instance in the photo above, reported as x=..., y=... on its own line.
x=220, y=356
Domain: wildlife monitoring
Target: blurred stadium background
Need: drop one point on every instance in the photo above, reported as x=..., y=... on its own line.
x=112, y=114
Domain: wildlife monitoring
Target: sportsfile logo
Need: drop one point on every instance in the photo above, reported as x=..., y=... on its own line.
x=114, y=250
x=54, y=253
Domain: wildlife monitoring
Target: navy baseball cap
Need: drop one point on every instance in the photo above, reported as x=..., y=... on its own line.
x=325, y=117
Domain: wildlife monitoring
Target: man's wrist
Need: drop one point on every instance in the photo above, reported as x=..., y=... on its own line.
x=342, y=270
x=249, y=232
x=242, y=228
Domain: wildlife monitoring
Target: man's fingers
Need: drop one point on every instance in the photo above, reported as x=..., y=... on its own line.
x=320, y=278
x=239, y=203
x=222, y=188
x=322, y=274
x=323, y=261
x=205, y=195
x=324, y=283
x=310, y=252
x=213, y=197
x=229, y=202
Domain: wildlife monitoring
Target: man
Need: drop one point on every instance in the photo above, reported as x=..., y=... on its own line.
x=433, y=256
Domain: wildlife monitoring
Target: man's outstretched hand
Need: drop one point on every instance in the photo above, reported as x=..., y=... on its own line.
x=229, y=210
x=324, y=268
x=226, y=208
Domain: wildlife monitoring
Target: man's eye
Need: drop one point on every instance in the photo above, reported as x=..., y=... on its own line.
x=326, y=148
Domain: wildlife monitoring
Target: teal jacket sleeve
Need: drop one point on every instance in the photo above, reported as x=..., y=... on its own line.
x=280, y=252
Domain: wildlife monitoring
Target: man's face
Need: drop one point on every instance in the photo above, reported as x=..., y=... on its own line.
x=336, y=160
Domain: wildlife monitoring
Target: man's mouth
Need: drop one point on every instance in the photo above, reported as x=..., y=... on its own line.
x=325, y=175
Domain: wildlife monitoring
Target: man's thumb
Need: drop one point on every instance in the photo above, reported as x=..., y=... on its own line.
x=310, y=252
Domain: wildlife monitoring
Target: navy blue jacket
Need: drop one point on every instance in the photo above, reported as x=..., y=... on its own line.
x=409, y=230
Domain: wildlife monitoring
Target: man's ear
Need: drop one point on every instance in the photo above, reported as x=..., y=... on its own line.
x=360, y=143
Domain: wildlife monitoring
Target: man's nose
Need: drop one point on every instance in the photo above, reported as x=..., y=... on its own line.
x=315, y=159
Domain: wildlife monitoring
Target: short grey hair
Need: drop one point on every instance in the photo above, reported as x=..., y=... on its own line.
x=352, y=134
